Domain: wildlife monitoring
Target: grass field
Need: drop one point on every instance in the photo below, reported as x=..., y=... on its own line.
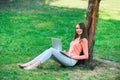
x=26, y=28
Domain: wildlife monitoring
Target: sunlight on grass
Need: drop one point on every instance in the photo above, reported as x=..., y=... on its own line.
x=110, y=10
x=19, y=17
x=82, y=4
x=47, y=25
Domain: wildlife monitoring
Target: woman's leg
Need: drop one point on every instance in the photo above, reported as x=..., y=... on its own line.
x=34, y=61
x=62, y=59
x=38, y=60
x=49, y=53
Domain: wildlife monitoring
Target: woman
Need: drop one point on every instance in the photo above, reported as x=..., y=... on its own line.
x=77, y=46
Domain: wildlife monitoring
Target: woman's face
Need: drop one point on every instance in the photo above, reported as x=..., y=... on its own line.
x=78, y=30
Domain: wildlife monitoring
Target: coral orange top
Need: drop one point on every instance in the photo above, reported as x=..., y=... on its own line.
x=77, y=46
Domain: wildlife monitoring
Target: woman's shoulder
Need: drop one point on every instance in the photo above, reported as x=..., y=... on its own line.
x=84, y=40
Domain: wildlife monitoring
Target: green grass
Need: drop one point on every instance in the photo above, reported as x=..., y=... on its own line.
x=107, y=44
x=26, y=29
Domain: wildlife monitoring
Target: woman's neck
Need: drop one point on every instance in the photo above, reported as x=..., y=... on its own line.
x=79, y=36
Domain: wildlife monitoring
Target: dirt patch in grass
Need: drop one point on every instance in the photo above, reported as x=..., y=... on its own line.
x=103, y=70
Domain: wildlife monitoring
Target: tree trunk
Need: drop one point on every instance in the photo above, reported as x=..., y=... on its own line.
x=91, y=23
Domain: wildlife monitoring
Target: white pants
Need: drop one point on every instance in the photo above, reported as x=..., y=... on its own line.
x=57, y=56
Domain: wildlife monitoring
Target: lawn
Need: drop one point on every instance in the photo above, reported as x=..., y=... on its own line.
x=26, y=29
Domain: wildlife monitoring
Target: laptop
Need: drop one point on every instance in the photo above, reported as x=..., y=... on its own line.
x=57, y=44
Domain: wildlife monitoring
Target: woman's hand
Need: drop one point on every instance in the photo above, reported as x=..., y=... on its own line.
x=74, y=57
x=65, y=51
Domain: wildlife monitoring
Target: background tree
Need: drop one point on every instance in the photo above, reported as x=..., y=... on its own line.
x=91, y=23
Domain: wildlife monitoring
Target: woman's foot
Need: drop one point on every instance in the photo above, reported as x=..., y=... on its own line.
x=25, y=64
x=33, y=66
x=21, y=65
x=29, y=67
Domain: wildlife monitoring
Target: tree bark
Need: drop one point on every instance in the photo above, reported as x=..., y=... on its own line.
x=91, y=23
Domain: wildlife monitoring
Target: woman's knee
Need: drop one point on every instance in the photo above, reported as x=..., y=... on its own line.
x=51, y=49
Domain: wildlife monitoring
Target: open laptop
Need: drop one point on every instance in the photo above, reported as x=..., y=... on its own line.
x=57, y=44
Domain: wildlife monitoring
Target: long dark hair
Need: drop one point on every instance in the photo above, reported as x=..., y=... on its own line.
x=83, y=35
x=82, y=26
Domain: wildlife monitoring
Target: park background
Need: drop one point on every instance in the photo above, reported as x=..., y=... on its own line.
x=26, y=29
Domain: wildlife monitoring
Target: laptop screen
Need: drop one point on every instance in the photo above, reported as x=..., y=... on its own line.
x=57, y=44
